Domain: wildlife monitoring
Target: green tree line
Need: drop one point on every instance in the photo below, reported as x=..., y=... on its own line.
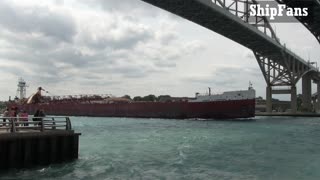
x=150, y=98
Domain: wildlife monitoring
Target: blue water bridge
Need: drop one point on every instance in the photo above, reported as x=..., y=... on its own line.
x=282, y=69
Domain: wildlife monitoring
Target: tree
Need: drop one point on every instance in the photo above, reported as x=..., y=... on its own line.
x=137, y=98
x=126, y=97
x=150, y=97
x=2, y=106
x=259, y=98
x=164, y=98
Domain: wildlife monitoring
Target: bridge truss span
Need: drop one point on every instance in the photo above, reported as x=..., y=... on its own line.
x=278, y=70
x=231, y=18
x=311, y=22
x=240, y=8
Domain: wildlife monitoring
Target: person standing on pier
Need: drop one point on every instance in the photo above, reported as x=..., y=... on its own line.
x=24, y=117
x=5, y=116
x=14, y=112
x=13, y=115
x=38, y=116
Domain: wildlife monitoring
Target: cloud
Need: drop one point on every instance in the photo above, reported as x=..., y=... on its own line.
x=50, y=46
x=225, y=77
x=116, y=32
x=90, y=46
x=39, y=21
x=131, y=7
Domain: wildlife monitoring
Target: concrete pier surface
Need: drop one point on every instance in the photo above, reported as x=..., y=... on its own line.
x=42, y=142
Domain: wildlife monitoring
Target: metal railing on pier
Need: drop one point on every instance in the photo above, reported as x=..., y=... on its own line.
x=30, y=124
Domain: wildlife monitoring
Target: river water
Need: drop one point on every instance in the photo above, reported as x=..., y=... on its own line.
x=123, y=148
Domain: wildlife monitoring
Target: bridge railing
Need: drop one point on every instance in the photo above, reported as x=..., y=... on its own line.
x=30, y=124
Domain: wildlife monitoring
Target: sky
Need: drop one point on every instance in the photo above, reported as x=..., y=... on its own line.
x=125, y=47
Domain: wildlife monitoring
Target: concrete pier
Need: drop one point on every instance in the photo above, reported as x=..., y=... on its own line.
x=25, y=150
x=317, y=108
x=269, y=99
x=292, y=91
x=293, y=99
x=298, y=114
x=37, y=145
x=306, y=93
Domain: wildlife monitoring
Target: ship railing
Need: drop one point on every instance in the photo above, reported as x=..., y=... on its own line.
x=281, y=88
x=80, y=96
x=207, y=94
x=31, y=124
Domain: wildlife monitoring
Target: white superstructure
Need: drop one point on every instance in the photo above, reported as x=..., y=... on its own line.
x=227, y=96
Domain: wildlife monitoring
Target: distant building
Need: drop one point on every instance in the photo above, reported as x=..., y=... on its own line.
x=277, y=105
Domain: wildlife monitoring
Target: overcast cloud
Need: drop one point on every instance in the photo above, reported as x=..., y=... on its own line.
x=124, y=47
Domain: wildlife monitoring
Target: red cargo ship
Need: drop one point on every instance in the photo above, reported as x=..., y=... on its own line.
x=232, y=104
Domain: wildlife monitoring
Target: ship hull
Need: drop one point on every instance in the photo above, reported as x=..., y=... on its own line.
x=167, y=110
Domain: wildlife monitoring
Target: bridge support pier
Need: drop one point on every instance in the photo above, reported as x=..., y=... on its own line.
x=269, y=99
x=293, y=99
x=306, y=93
x=291, y=91
x=317, y=104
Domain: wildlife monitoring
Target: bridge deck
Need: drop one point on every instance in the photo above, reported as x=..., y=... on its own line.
x=311, y=22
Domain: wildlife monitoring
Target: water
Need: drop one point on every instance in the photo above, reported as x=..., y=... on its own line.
x=123, y=148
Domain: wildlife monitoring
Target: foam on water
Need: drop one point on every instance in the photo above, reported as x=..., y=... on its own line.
x=124, y=148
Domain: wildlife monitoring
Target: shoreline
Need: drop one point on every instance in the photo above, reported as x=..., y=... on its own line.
x=299, y=114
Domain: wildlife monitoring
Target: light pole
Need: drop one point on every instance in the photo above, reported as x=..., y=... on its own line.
x=316, y=63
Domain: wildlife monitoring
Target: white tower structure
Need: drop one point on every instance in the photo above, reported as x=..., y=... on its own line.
x=21, y=91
